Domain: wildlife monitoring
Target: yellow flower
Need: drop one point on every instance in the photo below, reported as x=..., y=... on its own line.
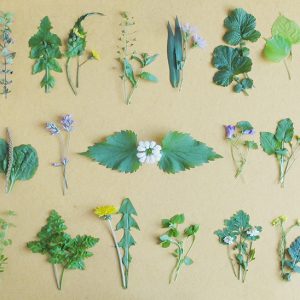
x=283, y=218
x=76, y=32
x=95, y=55
x=298, y=222
x=279, y=220
x=107, y=210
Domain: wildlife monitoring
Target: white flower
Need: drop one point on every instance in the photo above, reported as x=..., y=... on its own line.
x=228, y=240
x=148, y=152
x=253, y=232
x=188, y=29
x=199, y=41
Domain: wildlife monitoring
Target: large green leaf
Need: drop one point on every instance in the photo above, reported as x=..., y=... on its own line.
x=118, y=152
x=269, y=143
x=241, y=26
x=180, y=152
x=3, y=154
x=286, y=28
x=229, y=62
x=277, y=48
x=238, y=223
x=285, y=131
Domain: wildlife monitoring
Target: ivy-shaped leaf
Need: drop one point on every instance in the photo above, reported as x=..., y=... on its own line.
x=180, y=152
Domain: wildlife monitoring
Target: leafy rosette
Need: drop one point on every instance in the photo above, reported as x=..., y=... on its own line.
x=179, y=151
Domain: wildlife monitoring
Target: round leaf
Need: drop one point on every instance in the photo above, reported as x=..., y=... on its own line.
x=277, y=48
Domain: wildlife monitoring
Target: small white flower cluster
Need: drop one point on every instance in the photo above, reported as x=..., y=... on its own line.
x=228, y=240
x=148, y=152
x=191, y=31
x=253, y=232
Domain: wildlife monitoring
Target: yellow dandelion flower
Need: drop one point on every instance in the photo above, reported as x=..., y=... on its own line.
x=76, y=32
x=95, y=55
x=107, y=210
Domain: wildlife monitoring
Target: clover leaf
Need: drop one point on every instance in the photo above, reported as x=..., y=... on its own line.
x=241, y=26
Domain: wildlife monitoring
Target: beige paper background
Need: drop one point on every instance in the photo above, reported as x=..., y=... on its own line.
x=206, y=195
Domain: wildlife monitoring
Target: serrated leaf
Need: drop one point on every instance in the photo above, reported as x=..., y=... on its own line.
x=294, y=252
x=238, y=222
x=277, y=48
x=180, y=152
x=229, y=62
x=241, y=26
x=268, y=142
x=118, y=152
x=285, y=131
x=286, y=28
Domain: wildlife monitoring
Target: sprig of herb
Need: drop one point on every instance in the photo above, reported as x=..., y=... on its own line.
x=45, y=51
x=180, y=241
x=285, y=34
x=232, y=62
x=5, y=225
x=239, y=147
x=281, y=145
x=238, y=236
x=67, y=125
x=289, y=256
x=7, y=56
x=125, y=55
x=60, y=248
x=178, y=152
x=185, y=36
x=105, y=213
x=17, y=163
x=76, y=47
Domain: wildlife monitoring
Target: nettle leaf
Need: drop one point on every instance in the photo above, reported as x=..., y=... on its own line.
x=118, y=152
x=286, y=28
x=180, y=152
x=269, y=142
x=277, y=48
x=229, y=62
x=285, y=131
x=241, y=26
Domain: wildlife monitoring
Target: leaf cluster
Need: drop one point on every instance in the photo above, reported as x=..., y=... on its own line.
x=24, y=162
x=179, y=152
x=232, y=62
x=45, y=51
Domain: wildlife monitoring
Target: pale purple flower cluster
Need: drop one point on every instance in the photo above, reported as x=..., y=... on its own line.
x=199, y=41
x=53, y=129
x=230, y=130
x=191, y=31
x=67, y=123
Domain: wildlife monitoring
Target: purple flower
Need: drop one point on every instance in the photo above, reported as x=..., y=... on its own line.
x=198, y=41
x=249, y=131
x=67, y=123
x=53, y=129
x=229, y=129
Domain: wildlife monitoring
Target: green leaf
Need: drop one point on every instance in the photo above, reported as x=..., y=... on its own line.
x=191, y=230
x=126, y=223
x=39, y=66
x=3, y=154
x=188, y=261
x=129, y=72
x=294, y=252
x=252, y=255
x=166, y=244
x=238, y=222
x=285, y=131
x=244, y=125
x=247, y=83
x=177, y=219
x=241, y=26
x=180, y=152
x=148, y=76
x=286, y=28
x=53, y=65
x=268, y=142
x=118, y=152
x=277, y=48
x=165, y=223
x=164, y=238
x=150, y=59
x=229, y=62
x=251, y=145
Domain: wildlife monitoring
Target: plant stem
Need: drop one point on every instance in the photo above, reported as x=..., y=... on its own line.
x=131, y=92
x=248, y=257
x=9, y=182
x=231, y=261
x=61, y=278
x=118, y=252
x=184, y=60
x=282, y=247
x=55, y=276
x=77, y=71
x=69, y=76
x=287, y=69
x=282, y=172
x=47, y=77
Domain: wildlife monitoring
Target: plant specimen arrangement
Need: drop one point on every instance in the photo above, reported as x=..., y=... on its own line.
x=178, y=152
x=60, y=248
x=67, y=125
x=238, y=145
x=233, y=64
x=17, y=163
x=7, y=56
x=285, y=34
x=126, y=223
x=76, y=47
x=182, y=241
x=289, y=256
x=185, y=36
x=284, y=145
x=5, y=225
x=238, y=236
x=130, y=76
x=45, y=51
